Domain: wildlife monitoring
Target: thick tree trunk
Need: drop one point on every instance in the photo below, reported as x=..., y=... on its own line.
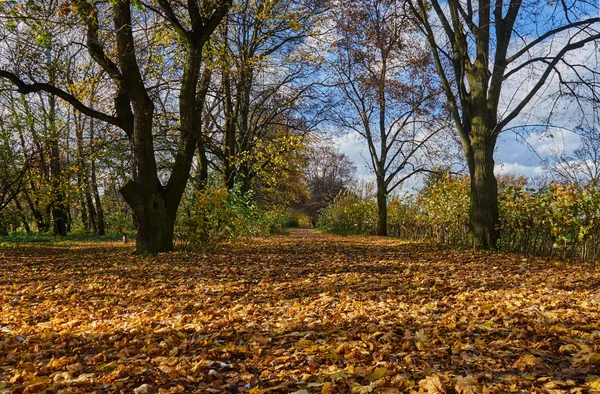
x=91, y=211
x=484, y=215
x=155, y=224
x=381, y=208
x=99, y=209
x=202, y=176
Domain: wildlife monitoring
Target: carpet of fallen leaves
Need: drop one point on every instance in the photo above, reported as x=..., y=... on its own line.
x=304, y=313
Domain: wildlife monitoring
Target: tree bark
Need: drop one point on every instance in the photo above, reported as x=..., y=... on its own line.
x=88, y=216
x=484, y=215
x=96, y=213
x=99, y=211
x=59, y=205
x=155, y=224
x=382, y=208
x=22, y=215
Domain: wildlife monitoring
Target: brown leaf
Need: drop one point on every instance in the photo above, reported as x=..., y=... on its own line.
x=466, y=386
x=433, y=385
x=525, y=361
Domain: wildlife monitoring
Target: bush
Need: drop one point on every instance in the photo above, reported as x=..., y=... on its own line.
x=405, y=219
x=297, y=219
x=444, y=206
x=551, y=220
x=349, y=214
x=555, y=219
x=215, y=214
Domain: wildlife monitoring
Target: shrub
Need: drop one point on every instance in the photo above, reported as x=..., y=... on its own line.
x=349, y=214
x=555, y=219
x=215, y=214
x=550, y=220
x=297, y=219
x=444, y=206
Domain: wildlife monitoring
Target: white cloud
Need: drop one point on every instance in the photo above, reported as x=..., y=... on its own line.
x=518, y=169
x=552, y=141
x=353, y=146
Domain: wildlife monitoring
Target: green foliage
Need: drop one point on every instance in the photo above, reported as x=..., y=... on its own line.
x=556, y=219
x=551, y=220
x=297, y=219
x=349, y=214
x=440, y=212
x=444, y=208
x=404, y=218
x=216, y=214
x=117, y=214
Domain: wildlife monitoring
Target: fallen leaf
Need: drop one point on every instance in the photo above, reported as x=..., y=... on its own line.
x=433, y=385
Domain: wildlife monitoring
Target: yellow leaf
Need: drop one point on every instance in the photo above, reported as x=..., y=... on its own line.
x=377, y=374
x=526, y=360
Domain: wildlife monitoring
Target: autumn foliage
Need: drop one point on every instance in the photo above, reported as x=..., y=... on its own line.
x=553, y=220
x=303, y=313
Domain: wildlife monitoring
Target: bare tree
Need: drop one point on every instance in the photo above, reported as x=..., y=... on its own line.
x=579, y=167
x=387, y=91
x=479, y=46
x=327, y=173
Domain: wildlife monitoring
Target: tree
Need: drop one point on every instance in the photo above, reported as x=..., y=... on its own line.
x=154, y=203
x=327, y=173
x=482, y=46
x=580, y=167
x=266, y=80
x=40, y=33
x=14, y=168
x=388, y=94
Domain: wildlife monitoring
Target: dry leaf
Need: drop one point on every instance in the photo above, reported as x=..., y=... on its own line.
x=433, y=385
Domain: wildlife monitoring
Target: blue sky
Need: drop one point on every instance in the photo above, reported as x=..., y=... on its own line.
x=515, y=154
x=524, y=154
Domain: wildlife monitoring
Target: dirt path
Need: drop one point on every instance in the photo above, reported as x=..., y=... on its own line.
x=305, y=311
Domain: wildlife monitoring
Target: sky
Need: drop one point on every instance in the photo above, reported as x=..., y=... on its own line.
x=519, y=154
x=515, y=154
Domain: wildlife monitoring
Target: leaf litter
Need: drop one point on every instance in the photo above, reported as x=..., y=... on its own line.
x=304, y=313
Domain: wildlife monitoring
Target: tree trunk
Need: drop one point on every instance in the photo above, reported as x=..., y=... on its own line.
x=22, y=215
x=382, y=208
x=59, y=205
x=229, y=149
x=98, y=212
x=91, y=210
x=484, y=215
x=155, y=224
x=99, y=209
x=33, y=203
x=40, y=221
x=202, y=176
x=3, y=228
x=88, y=215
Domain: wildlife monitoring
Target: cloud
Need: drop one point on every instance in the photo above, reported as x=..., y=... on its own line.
x=518, y=169
x=553, y=141
x=353, y=146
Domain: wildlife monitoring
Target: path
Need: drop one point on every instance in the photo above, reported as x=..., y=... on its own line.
x=306, y=311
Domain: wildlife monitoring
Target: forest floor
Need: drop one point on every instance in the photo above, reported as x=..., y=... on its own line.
x=304, y=312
